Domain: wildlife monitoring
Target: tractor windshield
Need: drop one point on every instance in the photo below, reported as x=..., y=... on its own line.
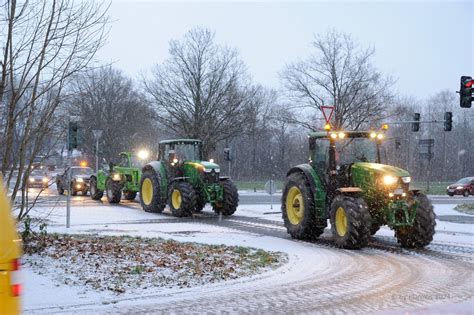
x=354, y=150
x=187, y=151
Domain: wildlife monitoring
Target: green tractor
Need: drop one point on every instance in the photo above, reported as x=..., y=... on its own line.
x=181, y=178
x=122, y=177
x=346, y=183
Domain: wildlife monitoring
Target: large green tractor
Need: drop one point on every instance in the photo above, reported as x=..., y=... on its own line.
x=346, y=183
x=121, y=177
x=181, y=178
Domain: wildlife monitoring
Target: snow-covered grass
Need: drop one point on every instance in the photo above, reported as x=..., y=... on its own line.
x=467, y=208
x=124, y=263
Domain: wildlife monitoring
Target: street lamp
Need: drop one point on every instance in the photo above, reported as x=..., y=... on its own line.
x=97, y=134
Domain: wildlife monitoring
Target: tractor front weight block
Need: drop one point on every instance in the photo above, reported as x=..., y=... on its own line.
x=399, y=213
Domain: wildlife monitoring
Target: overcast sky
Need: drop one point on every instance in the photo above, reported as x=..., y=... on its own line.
x=425, y=45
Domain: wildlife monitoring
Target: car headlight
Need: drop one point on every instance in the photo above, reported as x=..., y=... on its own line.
x=32, y=180
x=45, y=179
x=406, y=179
x=459, y=187
x=389, y=180
x=447, y=187
x=80, y=180
x=116, y=176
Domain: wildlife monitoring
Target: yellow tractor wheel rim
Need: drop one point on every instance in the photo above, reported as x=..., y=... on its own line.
x=294, y=205
x=147, y=191
x=176, y=198
x=341, y=221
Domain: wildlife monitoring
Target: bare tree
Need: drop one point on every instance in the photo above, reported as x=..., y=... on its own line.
x=107, y=100
x=202, y=90
x=338, y=73
x=43, y=44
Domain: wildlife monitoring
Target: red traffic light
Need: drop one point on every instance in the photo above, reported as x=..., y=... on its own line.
x=469, y=84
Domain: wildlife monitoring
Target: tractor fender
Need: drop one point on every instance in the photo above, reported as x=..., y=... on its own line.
x=349, y=190
x=156, y=167
x=180, y=179
x=307, y=171
x=222, y=178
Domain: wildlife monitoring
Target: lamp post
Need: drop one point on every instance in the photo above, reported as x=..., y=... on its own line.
x=97, y=134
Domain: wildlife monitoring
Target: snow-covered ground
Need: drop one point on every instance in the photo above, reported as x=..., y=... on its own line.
x=378, y=271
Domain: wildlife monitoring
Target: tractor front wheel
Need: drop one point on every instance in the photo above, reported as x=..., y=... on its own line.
x=421, y=233
x=231, y=199
x=150, y=197
x=350, y=222
x=114, y=191
x=182, y=199
x=129, y=195
x=298, y=209
x=96, y=194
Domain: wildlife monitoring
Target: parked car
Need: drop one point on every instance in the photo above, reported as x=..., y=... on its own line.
x=80, y=177
x=464, y=186
x=10, y=252
x=38, y=179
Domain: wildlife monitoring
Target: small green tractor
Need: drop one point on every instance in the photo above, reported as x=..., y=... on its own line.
x=122, y=177
x=181, y=178
x=346, y=183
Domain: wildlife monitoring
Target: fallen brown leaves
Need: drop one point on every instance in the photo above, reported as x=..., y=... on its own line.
x=122, y=263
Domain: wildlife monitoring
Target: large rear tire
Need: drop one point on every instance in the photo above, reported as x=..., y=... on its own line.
x=114, y=191
x=298, y=209
x=421, y=233
x=182, y=199
x=150, y=196
x=96, y=194
x=231, y=199
x=350, y=222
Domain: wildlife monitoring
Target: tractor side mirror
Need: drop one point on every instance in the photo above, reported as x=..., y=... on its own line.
x=111, y=166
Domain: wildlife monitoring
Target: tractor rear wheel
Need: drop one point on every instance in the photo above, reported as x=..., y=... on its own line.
x=298, y=209
x=374, y=228
x=129, y=195
x=350, y=222
x=421, y=233
x=96, y=194
x=182, y=199
x=150, y=197
x=231, y=199
x=114, y=191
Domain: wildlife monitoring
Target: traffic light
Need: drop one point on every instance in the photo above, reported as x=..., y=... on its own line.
x=415, y=126
x=73, y=135
x=448, y=121
x=227, y=156
x=465, y=92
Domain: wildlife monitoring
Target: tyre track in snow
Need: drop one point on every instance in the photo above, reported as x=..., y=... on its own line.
x=381, y=276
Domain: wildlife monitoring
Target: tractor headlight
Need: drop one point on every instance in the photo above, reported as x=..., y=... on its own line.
x=116, y=177
x=389, y=180
x=45, y=179
x=406, y=179
x=80, y=180
x=32, y=180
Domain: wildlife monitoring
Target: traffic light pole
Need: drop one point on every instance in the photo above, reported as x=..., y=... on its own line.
x=68, y=203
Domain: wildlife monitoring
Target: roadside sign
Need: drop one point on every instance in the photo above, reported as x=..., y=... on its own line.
x=327, y=112
x=270, y=187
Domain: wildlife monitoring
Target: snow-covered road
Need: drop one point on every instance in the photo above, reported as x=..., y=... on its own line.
x=318, y=278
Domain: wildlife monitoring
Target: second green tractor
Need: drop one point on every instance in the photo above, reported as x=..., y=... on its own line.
x=346, y=183
x=181, y=178
x=123, y=177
